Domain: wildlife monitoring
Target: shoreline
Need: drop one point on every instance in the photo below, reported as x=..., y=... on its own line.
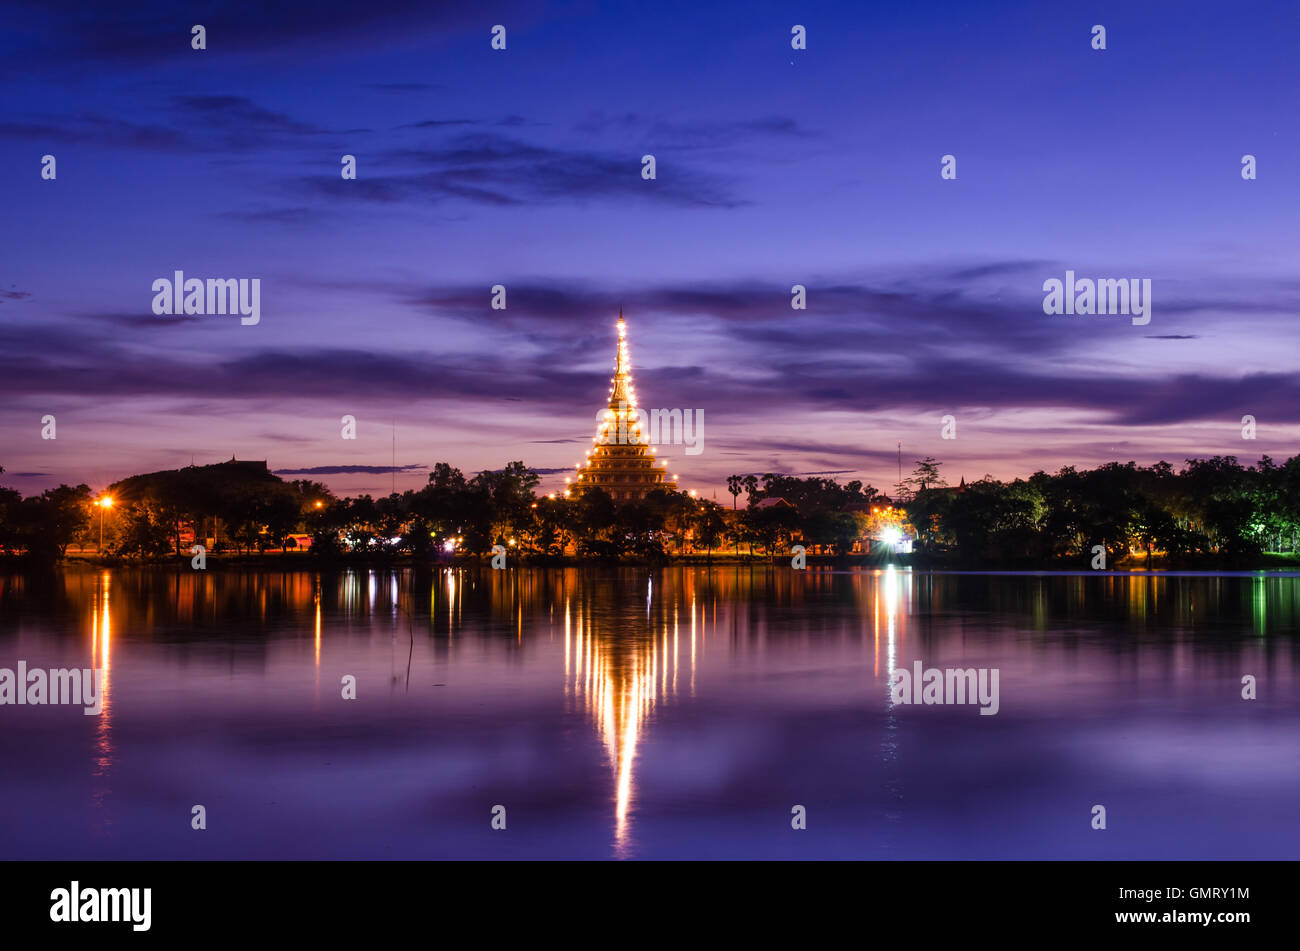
x=1269, y=562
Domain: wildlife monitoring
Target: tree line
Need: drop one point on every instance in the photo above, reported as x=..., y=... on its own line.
x=1210, y=509
x=1213, y=508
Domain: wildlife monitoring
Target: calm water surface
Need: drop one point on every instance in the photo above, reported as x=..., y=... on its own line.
x=638, y=714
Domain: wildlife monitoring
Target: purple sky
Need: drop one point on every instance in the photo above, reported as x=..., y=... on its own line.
x=479, y=167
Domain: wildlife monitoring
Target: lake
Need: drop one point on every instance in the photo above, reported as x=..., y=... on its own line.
x=682, y=712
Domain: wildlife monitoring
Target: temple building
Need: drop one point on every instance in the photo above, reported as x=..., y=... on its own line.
x=620, y=461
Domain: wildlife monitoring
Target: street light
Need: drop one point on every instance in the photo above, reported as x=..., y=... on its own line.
x=104, y=503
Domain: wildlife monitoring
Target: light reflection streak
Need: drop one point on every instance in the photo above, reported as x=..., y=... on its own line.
x=887, y=589
x=692, y=644
x=318, y=629
x=621, y=676
x=674, y=649
x=101, y=651
x=451, y=604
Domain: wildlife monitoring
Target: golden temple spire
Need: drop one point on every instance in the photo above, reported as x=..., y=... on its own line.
x=621, y=391
x=621, y=462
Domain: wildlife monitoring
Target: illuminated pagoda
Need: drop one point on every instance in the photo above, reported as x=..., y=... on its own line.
x=620, y=461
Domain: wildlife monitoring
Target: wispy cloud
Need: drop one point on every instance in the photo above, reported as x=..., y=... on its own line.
x=103, y=131
x=350, y=470
x=494, y=169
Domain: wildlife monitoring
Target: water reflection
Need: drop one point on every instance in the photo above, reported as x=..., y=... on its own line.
x=687, y=688
x=619, y=672
x=316, y=598
x=101, y=652
x=616, y=682
x=891, y=587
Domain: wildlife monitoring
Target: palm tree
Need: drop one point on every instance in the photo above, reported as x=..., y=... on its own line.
x=734, y=485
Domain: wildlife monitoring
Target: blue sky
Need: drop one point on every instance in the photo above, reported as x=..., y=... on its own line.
x=522, y=167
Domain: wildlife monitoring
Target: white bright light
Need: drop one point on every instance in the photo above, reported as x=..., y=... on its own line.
x=891, y=536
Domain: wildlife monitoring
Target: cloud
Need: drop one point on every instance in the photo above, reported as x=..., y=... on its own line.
x=238, y=124
x=200, y=123
x=494, y=169
x=103, y=131
x=832, y=450
x=678, y=135
x=350, y=470
x=72, y=34
x=238, y=111
x=864, y=347
x=438, y=123
x=999, y=269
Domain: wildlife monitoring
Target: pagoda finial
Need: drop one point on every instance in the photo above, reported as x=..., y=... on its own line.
x=621, y=392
